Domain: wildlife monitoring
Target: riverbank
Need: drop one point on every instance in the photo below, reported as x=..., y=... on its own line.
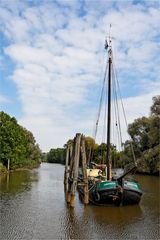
x=3, y=169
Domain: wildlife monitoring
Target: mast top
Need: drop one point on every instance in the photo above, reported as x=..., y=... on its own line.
x=108, y=42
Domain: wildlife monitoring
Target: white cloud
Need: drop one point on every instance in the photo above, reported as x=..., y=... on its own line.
x=4, y=100
x=58, y=54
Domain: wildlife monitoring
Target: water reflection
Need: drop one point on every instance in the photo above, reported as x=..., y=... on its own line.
x=33, y=206
x=72, y=225
x=114, y=215
x=94, y=222
x=18, y=181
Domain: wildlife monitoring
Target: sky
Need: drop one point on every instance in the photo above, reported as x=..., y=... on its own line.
x=52, y=62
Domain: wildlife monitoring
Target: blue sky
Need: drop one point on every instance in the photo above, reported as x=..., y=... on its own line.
x=52, y=60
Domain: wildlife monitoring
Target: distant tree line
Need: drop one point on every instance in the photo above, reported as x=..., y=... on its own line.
x=56, y=155
x=17, y=145
x=145, y=139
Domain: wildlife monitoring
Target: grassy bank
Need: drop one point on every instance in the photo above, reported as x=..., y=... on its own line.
x=27, y=166
x=3, y=169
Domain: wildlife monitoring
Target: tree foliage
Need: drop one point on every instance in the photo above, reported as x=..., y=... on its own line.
x=56, y=155
x=145, y=135
x=17, y=144
x=155, y=108
x=99, y=154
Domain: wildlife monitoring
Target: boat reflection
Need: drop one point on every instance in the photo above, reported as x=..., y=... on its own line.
x=90, y=222
x=115, y=215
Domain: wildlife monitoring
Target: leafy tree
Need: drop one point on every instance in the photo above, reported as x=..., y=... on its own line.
x=155, y=108
x=145, y=134
x=44, y=157
x=91, y=146
x=100, y=155
x=139, y=132
x=69, y=142
x=56, y=155
x=17, y=144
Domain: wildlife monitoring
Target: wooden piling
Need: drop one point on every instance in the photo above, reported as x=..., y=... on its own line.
x=84, y=170
x=70, y=178
x=66, y=166
x=75, y=168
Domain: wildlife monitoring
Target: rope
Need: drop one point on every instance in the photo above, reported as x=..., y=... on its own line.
x=117, y=114
x=105, y=118
x=100, y=102
x=124, y=114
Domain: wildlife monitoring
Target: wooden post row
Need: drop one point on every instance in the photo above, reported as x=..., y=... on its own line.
x=71, y=173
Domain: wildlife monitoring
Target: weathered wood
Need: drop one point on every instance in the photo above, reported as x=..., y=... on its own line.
x=70, y=179
x=68, y=197
x=73, y=154
x=71, y=158
x=84, y=170
x=66, y=166
x=75, y=168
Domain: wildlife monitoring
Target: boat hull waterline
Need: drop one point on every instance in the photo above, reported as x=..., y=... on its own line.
x=111, y=193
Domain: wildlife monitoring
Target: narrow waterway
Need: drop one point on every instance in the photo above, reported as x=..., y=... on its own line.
x=32, y=206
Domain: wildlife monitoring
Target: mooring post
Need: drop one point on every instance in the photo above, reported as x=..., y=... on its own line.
x=66, y=166
x=70, y=179
x=84, y=170
x=75, y=168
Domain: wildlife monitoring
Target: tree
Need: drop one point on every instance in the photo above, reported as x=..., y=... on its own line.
x=56, y=155
x=69, y=142
x=155, y=108
x=17, y=144
x=139, y=132
x=100, y=154
x=90, y=147
x=145, y=135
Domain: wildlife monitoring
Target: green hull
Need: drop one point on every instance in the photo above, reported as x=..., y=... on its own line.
x=113, y=185
x=110, y=192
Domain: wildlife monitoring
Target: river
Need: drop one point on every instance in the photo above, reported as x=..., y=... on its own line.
x=32, y=206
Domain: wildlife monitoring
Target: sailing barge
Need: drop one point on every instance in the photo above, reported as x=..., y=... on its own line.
x=103, y=186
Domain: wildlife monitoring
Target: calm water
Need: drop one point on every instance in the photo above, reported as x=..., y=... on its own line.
x=32, y=206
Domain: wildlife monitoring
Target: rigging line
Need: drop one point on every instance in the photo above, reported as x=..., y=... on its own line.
x=102, y=60
x=114, y=136
x=131, y=145
x=100, y=103
x=114, y=109
x=105, y=117
x=117, y=109
x=117, y=122
x=114, y=119
x=114, y=123
x=95, y=127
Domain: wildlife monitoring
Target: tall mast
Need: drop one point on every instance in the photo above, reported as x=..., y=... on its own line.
x=108, y=161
